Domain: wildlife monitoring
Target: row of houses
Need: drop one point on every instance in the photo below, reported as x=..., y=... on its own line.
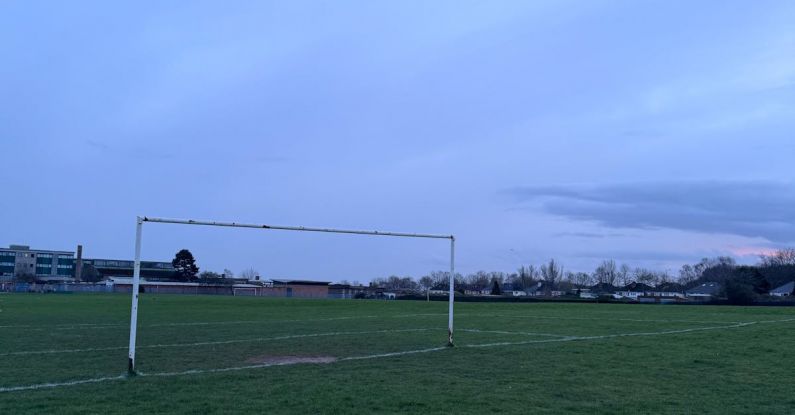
x=668, y=292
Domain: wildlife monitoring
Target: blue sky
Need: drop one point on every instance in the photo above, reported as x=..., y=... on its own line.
x=649, y=132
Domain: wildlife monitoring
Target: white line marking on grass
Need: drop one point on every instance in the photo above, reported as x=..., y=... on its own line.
x=382, y=355
x=179, y=324
x=776, y=321
x=523, y=333
x=208, y=323
x=403, y=353
x=637, y=320
x=264, y=365
x=210, y=343
x=60, y=384
x=416, y=315
x=609, y=336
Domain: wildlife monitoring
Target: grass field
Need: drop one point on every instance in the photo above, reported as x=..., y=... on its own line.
x=200, y=354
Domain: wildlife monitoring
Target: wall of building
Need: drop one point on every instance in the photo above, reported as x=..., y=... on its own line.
x=20, y=260
x=124, y=268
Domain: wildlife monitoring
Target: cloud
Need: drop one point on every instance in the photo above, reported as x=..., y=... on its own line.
x=595, y=235
x=746, y=208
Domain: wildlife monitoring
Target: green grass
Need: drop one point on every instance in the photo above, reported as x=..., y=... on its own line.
x=539, y=357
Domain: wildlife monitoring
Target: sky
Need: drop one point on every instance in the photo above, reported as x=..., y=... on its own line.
x=653, y=133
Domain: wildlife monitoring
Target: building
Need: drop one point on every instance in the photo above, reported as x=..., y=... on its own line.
x=19, y=261
x=668, y=290
x=346, y=291
x=704, y=292
x=299, y=288
x=785, y=290
x=634, y=290
x=509, y=290
x=124, y=268
x=125, y=284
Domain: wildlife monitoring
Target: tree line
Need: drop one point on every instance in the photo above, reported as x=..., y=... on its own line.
x=739, y=283
x=771, y=271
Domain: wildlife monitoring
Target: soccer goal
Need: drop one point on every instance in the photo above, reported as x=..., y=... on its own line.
x=248, y=291
x=244, y=291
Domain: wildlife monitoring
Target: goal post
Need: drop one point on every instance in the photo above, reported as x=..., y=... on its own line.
x=244, y=291
x=137, y=264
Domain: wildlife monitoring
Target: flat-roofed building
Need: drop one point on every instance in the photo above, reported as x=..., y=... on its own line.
x=124, y=268
x=45, y=265
x=22, y=261
x=299, y=288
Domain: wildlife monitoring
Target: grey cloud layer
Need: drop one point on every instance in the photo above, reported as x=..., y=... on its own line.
x=754, y=209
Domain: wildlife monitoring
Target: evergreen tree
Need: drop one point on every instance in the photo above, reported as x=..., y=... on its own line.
x=185, y=268
x=495, y=288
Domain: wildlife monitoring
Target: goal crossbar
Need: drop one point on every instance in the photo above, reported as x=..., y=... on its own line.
x=137, y=264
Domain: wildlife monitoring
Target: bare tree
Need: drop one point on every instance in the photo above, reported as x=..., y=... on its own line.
x=426, y=282
x=606, y=272
x=479, y=280
x=624, y=274
x=781, y=257
x=663, y=277
x=551, y=274
x=527, y=276
x=249, y=274
x=644, y=276
x=581, y=279
x=688, y=274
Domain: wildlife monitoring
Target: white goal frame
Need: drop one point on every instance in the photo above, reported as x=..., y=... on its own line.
x=235, y=291
x=137, y=266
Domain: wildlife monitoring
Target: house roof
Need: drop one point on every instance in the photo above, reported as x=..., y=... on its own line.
x=670, y=287
x=507, y=287
x=604, y=288
x=540, y=286
x=637, y=286
x=784, y=289
x=299, y=282
x=707, y=288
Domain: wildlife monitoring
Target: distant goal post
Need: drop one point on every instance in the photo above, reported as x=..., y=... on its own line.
x=140, y=220
x=244, y=291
